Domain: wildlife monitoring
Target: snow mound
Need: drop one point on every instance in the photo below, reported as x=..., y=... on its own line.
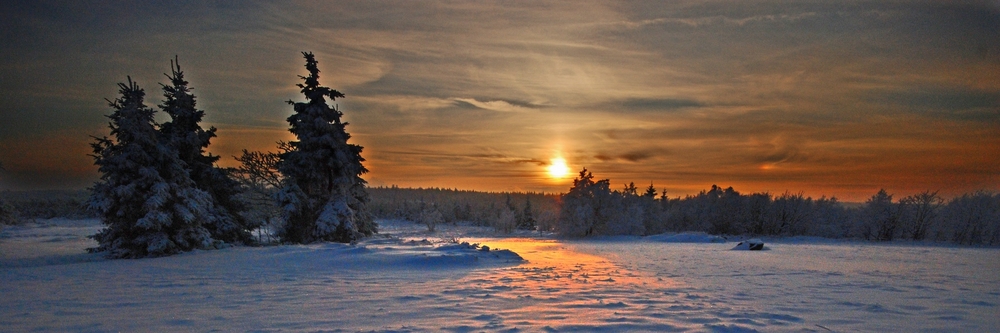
x=478, y=253
x=686, y=237
x=426, y=254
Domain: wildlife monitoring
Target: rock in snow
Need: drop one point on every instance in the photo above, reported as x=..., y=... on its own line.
x=750, y=244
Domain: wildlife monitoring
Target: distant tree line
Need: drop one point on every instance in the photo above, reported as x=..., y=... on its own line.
x=592, y=208
x=160, y=193
x=19, y=206
x=503, y=211
x=968, y=219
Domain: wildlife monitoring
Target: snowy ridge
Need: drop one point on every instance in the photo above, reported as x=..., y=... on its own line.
x=59, y=242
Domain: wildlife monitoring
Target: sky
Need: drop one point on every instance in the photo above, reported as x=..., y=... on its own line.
x=824, y=98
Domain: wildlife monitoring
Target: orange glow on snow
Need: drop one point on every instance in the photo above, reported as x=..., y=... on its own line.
x=566, y=268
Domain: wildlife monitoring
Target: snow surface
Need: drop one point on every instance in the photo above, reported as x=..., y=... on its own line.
x=419, y=281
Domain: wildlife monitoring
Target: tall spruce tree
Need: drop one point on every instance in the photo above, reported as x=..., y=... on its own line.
x=188, y=139
x=145, y=196
x=323, y=197
x=526, y=220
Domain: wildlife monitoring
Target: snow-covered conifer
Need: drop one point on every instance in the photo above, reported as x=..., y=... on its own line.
x=145, y=197
x=323, y=196
x=526, y=220
x=188, y=139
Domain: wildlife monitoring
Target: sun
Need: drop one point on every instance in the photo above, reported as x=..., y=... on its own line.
x=557, y=168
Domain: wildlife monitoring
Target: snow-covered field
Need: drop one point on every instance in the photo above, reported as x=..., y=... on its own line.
x=659, y=283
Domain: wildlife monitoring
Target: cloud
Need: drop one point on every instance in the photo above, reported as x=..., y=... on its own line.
x=631, y=156
x=776, y=151
x=954, y=102
x=532, y=161
x=490, y=157
x=718, y=20
x=636, y=105
x=497, y=105
x=404, y=103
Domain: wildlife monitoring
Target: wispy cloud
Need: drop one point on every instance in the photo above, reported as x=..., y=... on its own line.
x=632, y=155
x=497, y=105
x=718, y=20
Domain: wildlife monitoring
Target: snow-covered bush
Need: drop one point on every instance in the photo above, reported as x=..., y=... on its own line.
x=919, y=214
x=258, y=174
x=323, y=195
x=789, y=214
x=879, y=218
x=430, y=216
x=8, y=215
x=506, y=221
x=829, y=219
x=547, y=220
x=973, y=219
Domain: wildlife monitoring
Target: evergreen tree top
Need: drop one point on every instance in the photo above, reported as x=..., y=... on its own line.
x=179, y=102
x=184, y=132
x=311, y=88
x=178, y=94
x=131, y=96
x=130, y=112
x=650, y=191
x=586, y=179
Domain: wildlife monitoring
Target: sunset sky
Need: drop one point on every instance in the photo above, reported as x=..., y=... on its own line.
x=835, y=98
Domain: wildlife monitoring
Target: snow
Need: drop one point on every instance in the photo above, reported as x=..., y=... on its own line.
x=420, y=281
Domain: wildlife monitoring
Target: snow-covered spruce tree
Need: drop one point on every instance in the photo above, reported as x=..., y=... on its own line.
x=145, y=197
x=323, y=196
x=188, y=139
x=526, y=220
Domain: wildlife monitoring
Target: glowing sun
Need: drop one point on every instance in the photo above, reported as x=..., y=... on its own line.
x=558, y=169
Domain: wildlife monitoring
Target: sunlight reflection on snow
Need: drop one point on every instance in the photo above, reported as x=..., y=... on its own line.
x=557, y=287
x=567, y=268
